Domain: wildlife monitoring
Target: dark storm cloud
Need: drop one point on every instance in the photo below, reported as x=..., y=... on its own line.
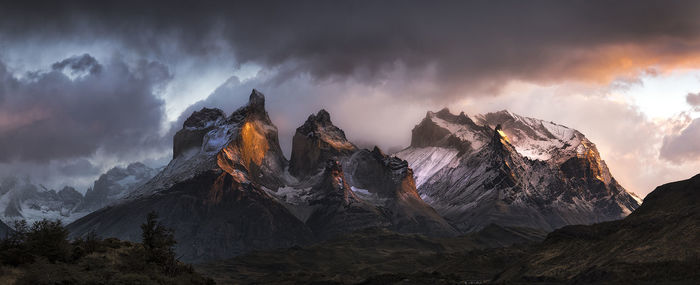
x=468, y=43
x=48, y=115
x=83, y=63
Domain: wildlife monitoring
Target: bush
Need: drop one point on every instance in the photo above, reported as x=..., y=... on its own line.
x=49, y=239
x=42, y=254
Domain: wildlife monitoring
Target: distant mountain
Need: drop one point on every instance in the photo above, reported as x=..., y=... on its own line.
x=22, y=200
x=659, y=242
x=116, y=184
x=511, y=170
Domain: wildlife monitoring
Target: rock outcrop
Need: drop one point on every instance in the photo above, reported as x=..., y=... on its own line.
x=316, y=142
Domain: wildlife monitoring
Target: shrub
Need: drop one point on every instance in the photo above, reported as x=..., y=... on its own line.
x=49, y=239
x=158, y=241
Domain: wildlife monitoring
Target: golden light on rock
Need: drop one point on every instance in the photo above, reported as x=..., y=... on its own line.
x=503, y=135
x=249, y=148
x=253, y=145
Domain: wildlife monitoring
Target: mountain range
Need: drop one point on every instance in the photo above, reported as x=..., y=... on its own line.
x=229, y=190
x=20, y=199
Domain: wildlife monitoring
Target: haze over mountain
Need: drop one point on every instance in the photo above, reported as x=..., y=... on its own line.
x=20, y=199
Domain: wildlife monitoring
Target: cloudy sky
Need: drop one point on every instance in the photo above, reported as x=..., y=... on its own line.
x=87, y=86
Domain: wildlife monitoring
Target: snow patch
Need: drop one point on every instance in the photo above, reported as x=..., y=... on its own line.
x=426, y=161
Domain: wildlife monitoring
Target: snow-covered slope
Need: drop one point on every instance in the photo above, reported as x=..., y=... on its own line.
x=512, y=170
x=22, y=200
x=116, y=184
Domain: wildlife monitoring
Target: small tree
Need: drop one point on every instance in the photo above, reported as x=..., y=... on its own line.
x=49, y=239
x=158, y=241
x=13, y=249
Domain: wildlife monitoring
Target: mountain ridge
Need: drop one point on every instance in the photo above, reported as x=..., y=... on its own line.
x=506, y=167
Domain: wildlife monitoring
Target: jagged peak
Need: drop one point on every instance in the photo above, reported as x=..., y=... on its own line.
x=378, y=152
x=314, y=142
x=446, y=115
x=205, y=117
x=254, y=110
x=321, y=118
x=500, y=139
x=256, y=100
x=320, y=125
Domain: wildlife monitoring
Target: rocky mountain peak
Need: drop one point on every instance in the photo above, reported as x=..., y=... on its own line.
x=446, y=115
x=322, y=117
x=315, y=142
x=444, y=129
x=256, y=100
x=334, y=184
x=500, y=139
x=378, y=152
x=380, y=173
x=204, y=118
x=195, y=127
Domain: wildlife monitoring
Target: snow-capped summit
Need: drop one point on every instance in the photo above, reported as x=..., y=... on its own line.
x=512, y=170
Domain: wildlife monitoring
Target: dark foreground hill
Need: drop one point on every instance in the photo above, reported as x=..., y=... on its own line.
x=657, y=244
x=381, y=256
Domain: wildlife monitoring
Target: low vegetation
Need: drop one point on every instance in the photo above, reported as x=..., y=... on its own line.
x=43, y=254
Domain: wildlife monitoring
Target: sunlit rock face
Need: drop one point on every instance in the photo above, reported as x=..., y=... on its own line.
x=511, y=170
x=213, y=191
x=315, y=142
